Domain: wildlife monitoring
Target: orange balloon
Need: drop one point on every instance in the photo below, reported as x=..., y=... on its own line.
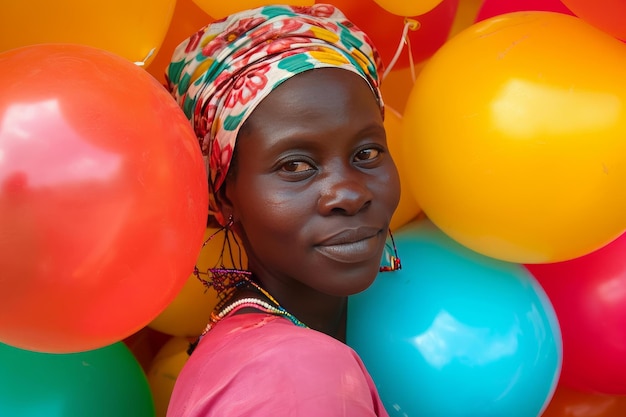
x=465, y=15
x=517, y=140
x=188, y=18
x=221, y=9
x=133, y=29
x=397, y=86
x=569, y=403
x=407, y=208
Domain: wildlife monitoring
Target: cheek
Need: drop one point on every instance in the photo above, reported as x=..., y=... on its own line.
x=388, y=188
x=268, y=208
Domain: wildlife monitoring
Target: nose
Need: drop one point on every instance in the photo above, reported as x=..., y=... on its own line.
x=344, y=192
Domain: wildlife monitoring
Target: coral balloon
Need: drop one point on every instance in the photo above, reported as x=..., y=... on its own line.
x=133, y=29
x=187, y=19
x=589, y=296
x=103, y=198
x=221, y=9
x=570, y=403
x=607, y=15
x=408, y=7
x=518, y=140
x=189, y=313
x=385, y=29
x=407, y=207
x=454, y=333
x=98, y=383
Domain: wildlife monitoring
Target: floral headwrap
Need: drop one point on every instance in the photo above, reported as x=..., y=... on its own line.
x=220, y=74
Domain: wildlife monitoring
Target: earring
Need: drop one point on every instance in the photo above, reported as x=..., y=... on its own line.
x=393, y=259
x=224, y=280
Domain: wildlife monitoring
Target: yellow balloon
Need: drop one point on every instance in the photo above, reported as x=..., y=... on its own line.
x=516, y=130
x=408, y=7
x=221, y=9
x=133, y=29
x=164, y=370
x=407, y=207
x=189, y=313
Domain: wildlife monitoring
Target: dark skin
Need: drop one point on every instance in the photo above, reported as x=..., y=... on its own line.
x=312, y=192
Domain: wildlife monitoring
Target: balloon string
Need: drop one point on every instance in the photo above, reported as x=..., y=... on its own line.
x=408, y=24
x=143, y=62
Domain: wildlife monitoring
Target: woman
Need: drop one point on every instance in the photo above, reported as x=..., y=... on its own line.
x=309, y=189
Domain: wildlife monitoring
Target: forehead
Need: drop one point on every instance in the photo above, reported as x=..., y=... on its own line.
x=317, y=99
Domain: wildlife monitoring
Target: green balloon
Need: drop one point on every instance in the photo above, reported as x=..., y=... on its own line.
x=98, y=383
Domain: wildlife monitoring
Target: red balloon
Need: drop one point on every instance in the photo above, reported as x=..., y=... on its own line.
x=491, y=8
x=385, y=28
x=589, y=297
x=606, y=15
x=103, y=198
x=571, y=403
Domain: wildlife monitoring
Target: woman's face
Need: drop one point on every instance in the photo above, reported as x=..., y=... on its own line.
x=314, y=186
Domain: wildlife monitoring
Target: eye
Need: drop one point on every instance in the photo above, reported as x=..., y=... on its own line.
x=367, y=154
x=296, y=166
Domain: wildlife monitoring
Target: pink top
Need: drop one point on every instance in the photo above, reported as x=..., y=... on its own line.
x=262, y=365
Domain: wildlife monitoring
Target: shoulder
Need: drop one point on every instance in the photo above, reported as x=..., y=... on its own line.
x=267, y=366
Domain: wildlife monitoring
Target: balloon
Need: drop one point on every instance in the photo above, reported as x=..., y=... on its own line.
x=454, y=333
x=188, y=18
x=103, y=198
x=408, y=7
x=570, y=403
x=607, y=15
x=164, y=371
x=465, y=16
x=518, y=141
x=589, y=296
x=99, y=383
x=133, y=29
x=407, y=207
x=491, y=8
x=189, y=313
x=221, y=9
x=385, y=29
x=397, y=86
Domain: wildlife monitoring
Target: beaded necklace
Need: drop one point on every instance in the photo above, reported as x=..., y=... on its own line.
x=227, y=308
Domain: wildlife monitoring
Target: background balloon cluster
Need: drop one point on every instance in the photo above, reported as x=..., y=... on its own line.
x=507, y=122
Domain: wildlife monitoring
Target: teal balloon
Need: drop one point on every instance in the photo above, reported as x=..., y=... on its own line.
x=99, y=383
x=455, y=333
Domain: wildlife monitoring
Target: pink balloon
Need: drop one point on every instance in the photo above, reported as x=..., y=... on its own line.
x=589, y=297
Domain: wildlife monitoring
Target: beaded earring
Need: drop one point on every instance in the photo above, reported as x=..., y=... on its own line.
x=224, y=280
x=390, y=254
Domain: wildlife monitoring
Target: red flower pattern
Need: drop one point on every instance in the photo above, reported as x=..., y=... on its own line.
x=247, y=86
x=231, y=34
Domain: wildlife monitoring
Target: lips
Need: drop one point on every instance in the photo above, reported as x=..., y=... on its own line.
x=353, y=245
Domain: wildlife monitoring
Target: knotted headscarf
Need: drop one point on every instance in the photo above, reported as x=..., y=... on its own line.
x=220, y=74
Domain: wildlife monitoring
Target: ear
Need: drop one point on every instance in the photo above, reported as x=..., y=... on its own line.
x=224, y=203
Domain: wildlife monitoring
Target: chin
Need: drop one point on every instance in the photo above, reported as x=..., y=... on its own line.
x=358, y=281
